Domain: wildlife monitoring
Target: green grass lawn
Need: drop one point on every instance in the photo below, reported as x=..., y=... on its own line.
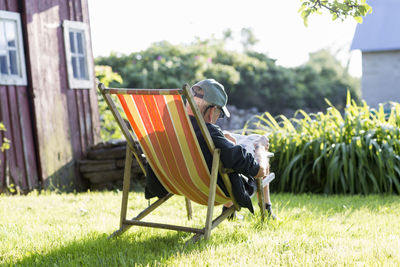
x=71, y=230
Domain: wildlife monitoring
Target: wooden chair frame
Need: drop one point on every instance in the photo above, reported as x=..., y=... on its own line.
x=217, y=167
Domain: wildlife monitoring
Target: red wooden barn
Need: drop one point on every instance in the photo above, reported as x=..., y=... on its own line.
x=48, y=100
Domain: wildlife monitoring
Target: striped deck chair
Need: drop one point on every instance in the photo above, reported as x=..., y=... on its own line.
x=160, y=123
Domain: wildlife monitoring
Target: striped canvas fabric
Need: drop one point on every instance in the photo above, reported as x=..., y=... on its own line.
x=166, y=136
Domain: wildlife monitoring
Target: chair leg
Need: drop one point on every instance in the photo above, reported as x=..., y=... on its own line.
x=188, y=208
x=127, y=180
x=260, y=194
x=211, y=196
x=141, y=215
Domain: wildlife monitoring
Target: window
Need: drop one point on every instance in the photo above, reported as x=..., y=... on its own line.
x=12, y=59
x=78, y=56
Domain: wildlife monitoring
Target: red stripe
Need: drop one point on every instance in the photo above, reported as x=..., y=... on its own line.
x=160, y=139
x=197, y=157
x=155, y=111
x=196, y=195
x=156, y=138
x=142, y=142
x=204, y=173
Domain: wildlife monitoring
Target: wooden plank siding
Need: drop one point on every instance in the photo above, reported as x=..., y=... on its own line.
x=67, y=120
x=63, y=122
x=18, y=164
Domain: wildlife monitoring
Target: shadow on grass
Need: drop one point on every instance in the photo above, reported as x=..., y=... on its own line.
x=146, y=246
x=139, y=248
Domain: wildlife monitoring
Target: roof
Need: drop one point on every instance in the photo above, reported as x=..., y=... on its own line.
x=381, y=29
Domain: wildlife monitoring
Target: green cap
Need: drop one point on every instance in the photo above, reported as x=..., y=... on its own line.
x=214, y=93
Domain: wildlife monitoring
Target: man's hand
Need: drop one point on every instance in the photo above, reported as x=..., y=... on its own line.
x=260, y=155
x=230, y=137
x=262, y=172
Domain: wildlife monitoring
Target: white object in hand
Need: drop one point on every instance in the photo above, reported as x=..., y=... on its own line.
x=268, y=179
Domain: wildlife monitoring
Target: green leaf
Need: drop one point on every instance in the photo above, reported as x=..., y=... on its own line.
x=358, y=19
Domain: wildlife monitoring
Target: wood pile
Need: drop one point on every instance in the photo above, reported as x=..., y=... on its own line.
x=104, y=166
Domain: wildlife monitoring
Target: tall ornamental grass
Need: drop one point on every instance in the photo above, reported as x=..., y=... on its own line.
x=354, y=153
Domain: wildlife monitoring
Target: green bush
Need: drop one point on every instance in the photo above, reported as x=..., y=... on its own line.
x=6, y=143
x=252, y=79
x=108, y=126
x=354, y=153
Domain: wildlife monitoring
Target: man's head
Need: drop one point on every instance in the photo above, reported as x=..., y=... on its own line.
x=211, y=98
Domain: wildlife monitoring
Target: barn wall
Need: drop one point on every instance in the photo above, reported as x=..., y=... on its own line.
x=66, y=120
x=18, y=165
x=381, y=77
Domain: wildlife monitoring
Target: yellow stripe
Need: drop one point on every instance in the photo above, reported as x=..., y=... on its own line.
x=219, y=191
x=179, y=188
x=192, y=192
x=135, y=114
x=219, y=198
x=186, y=151
x=184, y=148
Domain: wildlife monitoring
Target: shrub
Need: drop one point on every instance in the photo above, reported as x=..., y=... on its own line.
x=252, y=79
x=108, y=126
x=355, y=153
x=6, y=143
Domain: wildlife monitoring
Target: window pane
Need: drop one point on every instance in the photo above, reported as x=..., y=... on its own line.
x=79, y=38
x=10, y=33
x=79, y=70
x=13, y=62
x=75, y=67
x=72, y=41
x=82, y=66
x=3, y=43
x=12, y=65
x=3, y=64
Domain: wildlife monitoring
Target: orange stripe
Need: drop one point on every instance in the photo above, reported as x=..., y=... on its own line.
x=157, y=140
x=142, y=111
x=142, y=142
x=153, y=158
x=156, y=109
x=202, y=169
x=156, y=120
x=203, y=172
x=202, y=187
x=195, y=195
x=139, y=91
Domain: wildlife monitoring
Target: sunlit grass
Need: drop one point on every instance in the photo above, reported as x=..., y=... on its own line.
x=71, y=230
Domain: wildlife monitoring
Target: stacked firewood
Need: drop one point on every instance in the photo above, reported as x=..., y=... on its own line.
x=104, y=167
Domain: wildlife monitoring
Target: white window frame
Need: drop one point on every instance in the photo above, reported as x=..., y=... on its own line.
x=19, y=79
x=75, y=83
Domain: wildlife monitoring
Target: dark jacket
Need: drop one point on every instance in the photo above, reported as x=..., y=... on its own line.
x=233, y=157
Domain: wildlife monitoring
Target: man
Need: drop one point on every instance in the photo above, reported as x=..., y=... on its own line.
x=211, y=99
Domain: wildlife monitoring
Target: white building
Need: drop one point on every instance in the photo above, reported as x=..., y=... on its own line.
x=378, y=38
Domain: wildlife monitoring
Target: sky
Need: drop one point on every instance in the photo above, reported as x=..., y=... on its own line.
x=125, y=26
